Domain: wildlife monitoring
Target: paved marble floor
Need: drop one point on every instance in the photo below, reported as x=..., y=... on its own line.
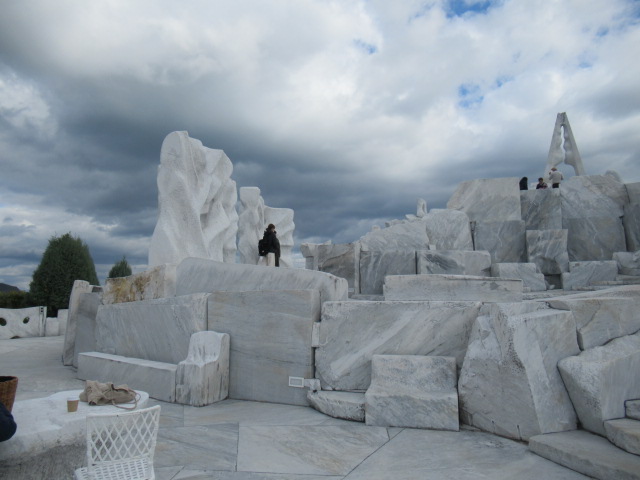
x=239, y=440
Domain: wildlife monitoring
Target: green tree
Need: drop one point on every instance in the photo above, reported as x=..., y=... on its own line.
x=15, y=299
x=65, y=260
x=120, y=269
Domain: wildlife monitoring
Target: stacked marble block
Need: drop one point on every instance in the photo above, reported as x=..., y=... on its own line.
x=263, y=317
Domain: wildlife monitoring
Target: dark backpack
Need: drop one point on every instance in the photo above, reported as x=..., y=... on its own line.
x=262, y=247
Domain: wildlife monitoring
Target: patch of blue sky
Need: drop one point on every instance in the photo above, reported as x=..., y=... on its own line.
x=469, y=95
x=368, y=48
x=458, y=8
x=500, y=81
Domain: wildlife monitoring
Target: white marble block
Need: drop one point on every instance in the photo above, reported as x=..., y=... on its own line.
x=195, y=275
x=412, y=391
x=541, y=209
x=156, y=378
x=548, y=250
x=454, y=262
x=376, y=265
x=51, y=326
x=350, y=333
x=532, y=279
x=600, y=319
x=509, y=384
x=270, y=341
x=203, y=377
x=85, y=320
x=250, y=224
x=400, y=237
x=63, y=315
x=79, y=286
x=282, y=218
x=505, y=241
x=341, y=260
x=628, y=262
x=157, y=330
x=23, y=322
x=605, y=234
x=452, y=288
x=346, y=405
x=448, y=229
x=196, y=203
x=624, y=433
x=582, y=274
x=156, y=282
x=601, y=379
x=488, y=199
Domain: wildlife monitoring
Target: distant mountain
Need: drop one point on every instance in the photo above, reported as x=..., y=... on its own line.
x=8, y=288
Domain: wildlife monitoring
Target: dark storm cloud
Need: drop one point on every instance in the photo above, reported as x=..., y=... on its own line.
x=346, y=112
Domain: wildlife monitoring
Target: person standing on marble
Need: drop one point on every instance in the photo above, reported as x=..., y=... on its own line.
x=555, y=177
x=272, y=245
x=541, y=184
x=524, y=183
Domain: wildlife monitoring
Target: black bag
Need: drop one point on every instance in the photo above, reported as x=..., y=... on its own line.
x=262, y=247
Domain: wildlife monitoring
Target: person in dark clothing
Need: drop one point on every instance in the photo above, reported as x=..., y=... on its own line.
x=541, y=184
x=7, y=424
x=524, y=183
x=273, y=245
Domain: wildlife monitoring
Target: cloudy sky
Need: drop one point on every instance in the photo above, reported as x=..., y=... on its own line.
x=346, y=111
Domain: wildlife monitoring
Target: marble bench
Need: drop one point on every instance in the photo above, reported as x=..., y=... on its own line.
x=49, y=442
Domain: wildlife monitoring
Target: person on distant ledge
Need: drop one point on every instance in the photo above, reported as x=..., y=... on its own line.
x=555, y=177
x=7, y=424
x=541, y=184
x=524, y=183
x=273, y=246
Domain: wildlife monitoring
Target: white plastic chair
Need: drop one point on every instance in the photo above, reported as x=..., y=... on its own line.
x=121, y=445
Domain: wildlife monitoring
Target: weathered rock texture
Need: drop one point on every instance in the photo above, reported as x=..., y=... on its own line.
x=599, y=381
x=350, y=333
x=196, y=203
x=509, y=383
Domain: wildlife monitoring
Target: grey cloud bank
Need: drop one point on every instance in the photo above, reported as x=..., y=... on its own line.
x=346, y=112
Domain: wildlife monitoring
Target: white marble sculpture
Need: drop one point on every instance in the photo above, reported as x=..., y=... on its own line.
x=563, y=147
x=250, y=224
x=196, y=203
x=282, y=218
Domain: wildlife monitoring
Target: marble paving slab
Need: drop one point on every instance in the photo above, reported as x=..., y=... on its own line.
x=439, y=455
x=211, y=447
x=308, y=450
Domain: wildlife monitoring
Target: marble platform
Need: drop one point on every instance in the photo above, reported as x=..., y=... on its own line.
x=241, y=440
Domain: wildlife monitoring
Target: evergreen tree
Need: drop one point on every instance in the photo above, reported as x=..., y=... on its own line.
x=65, y=260
x=120, y=269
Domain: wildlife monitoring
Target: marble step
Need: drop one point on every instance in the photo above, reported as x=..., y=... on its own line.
x=587, y=453
x=632, y=409
x=346, y=405
x=624, y=433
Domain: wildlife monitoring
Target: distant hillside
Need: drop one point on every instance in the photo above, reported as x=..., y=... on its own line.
x=8, y=288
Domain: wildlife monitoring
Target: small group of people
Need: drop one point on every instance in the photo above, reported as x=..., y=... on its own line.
x=555, y=177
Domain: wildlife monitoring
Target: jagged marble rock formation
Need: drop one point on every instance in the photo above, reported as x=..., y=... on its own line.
x=196, y=203
x=250, y=224
x=448, y=229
